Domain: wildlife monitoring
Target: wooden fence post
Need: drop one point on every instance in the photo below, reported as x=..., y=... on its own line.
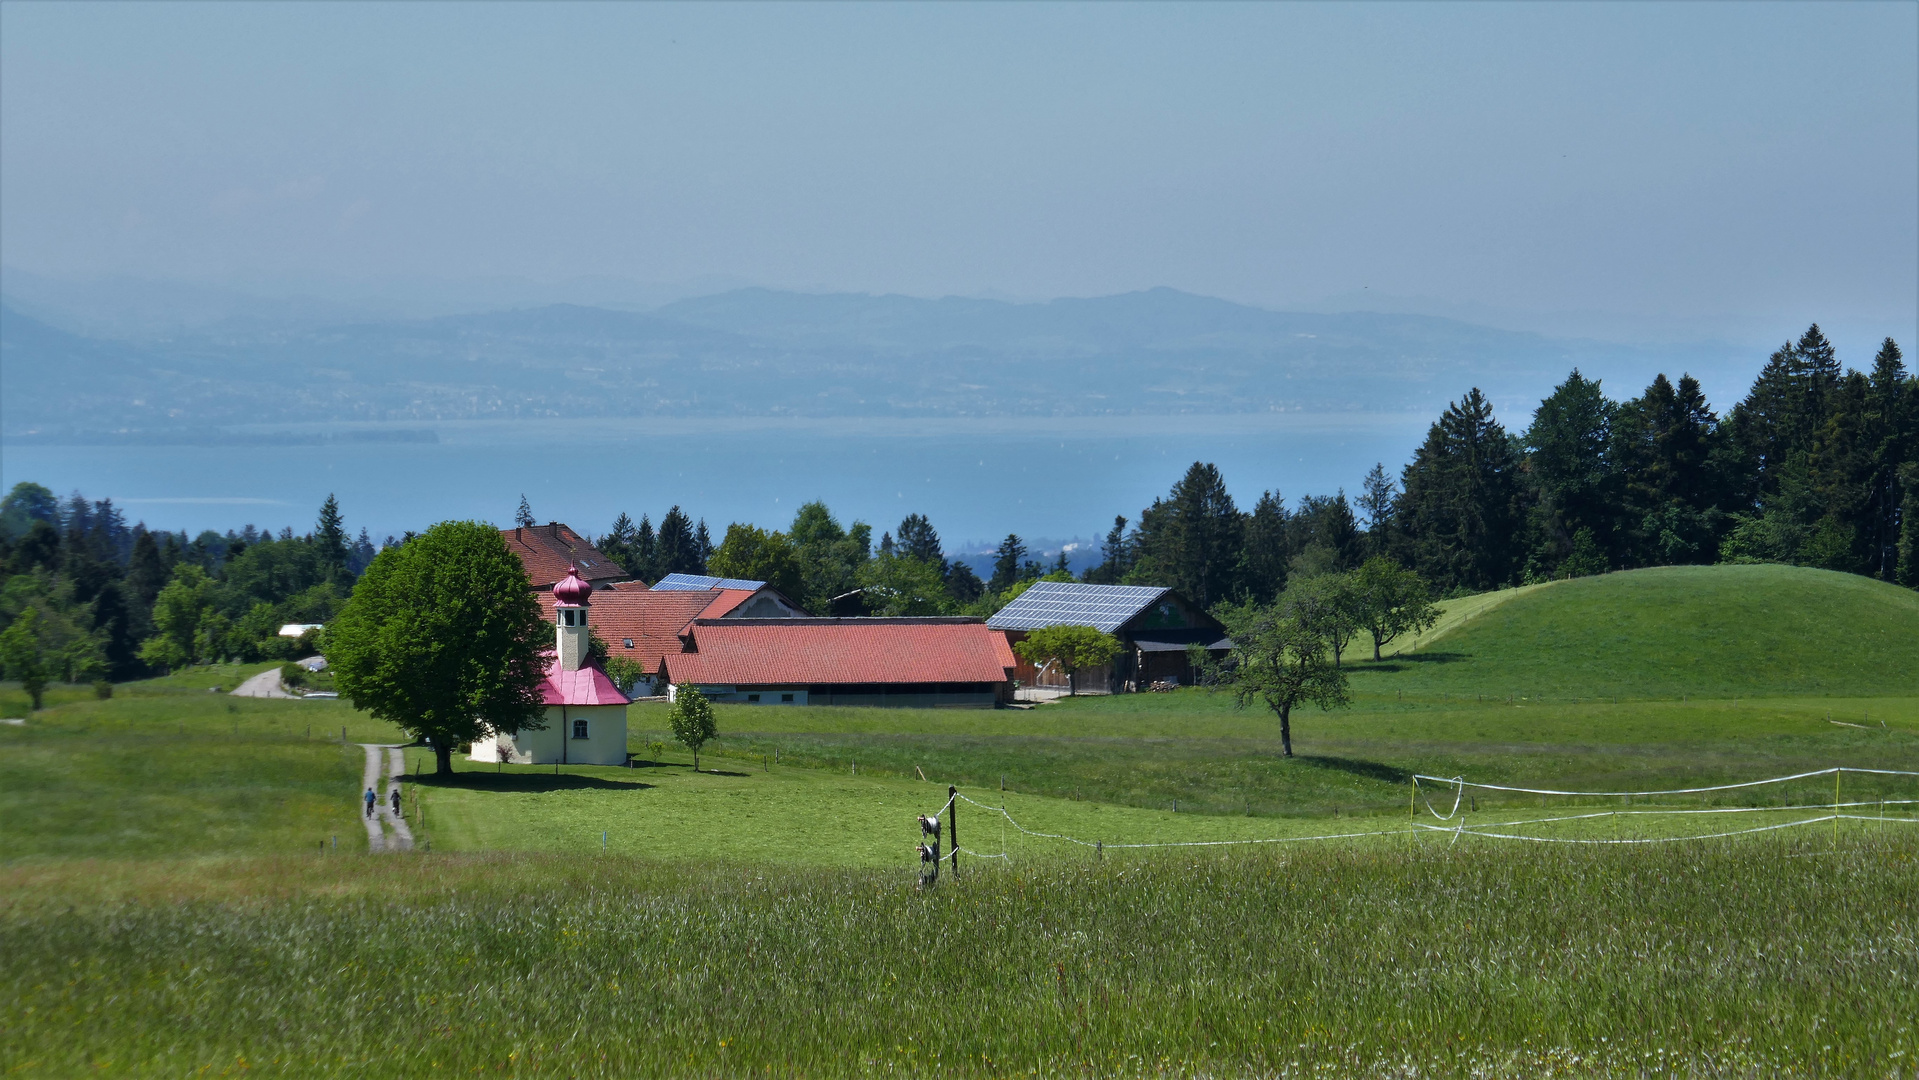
x=952, y=824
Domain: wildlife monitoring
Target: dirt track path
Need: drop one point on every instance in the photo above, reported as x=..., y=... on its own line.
x=265, y=684
x=383, y=817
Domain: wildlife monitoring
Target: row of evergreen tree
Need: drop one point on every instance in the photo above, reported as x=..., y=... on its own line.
x=1815, y=466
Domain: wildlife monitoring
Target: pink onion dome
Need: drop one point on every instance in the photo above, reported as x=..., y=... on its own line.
x=572, y=589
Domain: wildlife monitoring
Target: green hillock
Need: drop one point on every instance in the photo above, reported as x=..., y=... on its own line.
x=1706, y=631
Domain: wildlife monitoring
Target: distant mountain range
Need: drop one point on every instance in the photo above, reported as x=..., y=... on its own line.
x=759, y=352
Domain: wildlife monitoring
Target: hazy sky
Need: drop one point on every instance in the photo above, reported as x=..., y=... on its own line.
x=1653, y=170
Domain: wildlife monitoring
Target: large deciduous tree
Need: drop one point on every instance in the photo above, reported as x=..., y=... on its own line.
x=1281, y=662
x=1073, y=648
x=443, y=639
x=22, y=656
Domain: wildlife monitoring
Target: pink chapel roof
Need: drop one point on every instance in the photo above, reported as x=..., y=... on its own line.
x=587, y=686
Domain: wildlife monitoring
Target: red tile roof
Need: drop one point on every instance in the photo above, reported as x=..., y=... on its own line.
x=587, y=686
x=755, y=652
x=651, y=620
x=545, y=551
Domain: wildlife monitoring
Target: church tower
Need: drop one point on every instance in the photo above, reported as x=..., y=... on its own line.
x=570, y=617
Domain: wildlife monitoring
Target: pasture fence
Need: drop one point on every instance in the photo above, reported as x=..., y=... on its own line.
x=1456, y=821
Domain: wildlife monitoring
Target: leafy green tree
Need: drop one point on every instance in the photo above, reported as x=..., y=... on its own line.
x=443, y=639
x=1328, y=605
x=22, y=656
x=897, y=584
x=180, y=616
x=1281, y=662
x=1390, y=600
x=27, y=503
x=1073, y=648
x=752, y=553
x=830, y=560
x=1587, y=557
x=625, y=672
x=691, y=718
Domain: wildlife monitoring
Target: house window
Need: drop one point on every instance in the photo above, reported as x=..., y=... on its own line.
x=579, y=729
x=752, y=697
x=628, y=642
x=786, y=698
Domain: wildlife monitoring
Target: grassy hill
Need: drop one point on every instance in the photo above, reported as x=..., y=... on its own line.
x=1701, y=631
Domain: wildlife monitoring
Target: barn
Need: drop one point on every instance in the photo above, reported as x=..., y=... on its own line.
x=645, y=625
x=925, y=662
x=1154, y=625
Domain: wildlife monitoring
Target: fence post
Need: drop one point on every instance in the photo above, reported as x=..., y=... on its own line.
x=952, y=824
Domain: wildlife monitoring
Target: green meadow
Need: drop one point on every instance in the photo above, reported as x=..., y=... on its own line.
x=172, y=899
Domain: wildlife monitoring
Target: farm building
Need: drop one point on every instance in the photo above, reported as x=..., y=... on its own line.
x=1154, y=626
x=934, y=662
x=550, y=551
x=645, y=625
x=585, y=712
x=749, y=599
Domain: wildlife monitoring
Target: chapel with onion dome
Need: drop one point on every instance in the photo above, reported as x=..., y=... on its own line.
x=585, y=711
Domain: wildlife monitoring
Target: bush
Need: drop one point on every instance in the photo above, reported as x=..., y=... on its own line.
x=102, y=689
x=293, y=676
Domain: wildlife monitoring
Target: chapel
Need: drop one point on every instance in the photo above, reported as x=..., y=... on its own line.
x=585, y=711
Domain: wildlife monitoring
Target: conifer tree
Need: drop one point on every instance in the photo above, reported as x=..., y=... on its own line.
x=1461, y=505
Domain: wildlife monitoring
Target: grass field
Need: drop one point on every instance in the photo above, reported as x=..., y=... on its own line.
x=1749, y=960
x=169, y=902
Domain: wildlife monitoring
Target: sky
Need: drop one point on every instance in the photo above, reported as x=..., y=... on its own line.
x=1629, y=171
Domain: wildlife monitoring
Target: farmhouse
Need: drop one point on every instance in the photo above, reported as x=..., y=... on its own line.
x=645, y=625
x=935, y=662
x=585, y=712
x=1154, y=626
x=552, y=551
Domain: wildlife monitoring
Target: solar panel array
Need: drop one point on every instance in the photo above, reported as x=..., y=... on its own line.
x=701, y=583
x=1064, y=603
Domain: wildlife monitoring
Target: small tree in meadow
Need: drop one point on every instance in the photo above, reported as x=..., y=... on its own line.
x=692, y=720
x=1282, y=661
x=1390, y=600
x=1071, y=647
x=21, y=655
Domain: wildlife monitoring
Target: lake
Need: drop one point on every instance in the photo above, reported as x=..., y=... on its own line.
x=976, y=479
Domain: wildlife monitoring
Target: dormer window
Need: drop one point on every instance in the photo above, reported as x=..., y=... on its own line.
x=628, y=642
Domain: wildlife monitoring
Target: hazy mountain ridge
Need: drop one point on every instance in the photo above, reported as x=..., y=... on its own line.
x=763, y=352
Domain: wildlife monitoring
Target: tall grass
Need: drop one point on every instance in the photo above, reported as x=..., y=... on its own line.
x=1750, y=958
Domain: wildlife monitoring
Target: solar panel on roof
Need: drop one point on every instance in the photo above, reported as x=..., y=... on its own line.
x=1063, y=603
x=702, y=583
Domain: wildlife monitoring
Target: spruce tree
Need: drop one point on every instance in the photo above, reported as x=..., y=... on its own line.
x=1193, y=539
x=523, y=517
x=1268, y=548
x=1008, y=564
x=1461, y=506
x=677, y=553
x=1569, y=460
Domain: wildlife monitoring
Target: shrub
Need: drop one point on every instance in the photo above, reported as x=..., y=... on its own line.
x=102, y=689
x=293, y=676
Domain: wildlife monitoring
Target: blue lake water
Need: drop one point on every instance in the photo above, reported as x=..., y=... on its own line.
x=976, y=479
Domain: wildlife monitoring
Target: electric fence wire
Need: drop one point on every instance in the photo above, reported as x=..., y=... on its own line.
x=1417, y=777
x=1462, y=829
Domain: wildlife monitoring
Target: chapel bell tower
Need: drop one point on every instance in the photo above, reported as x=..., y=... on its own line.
x=570, y=617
